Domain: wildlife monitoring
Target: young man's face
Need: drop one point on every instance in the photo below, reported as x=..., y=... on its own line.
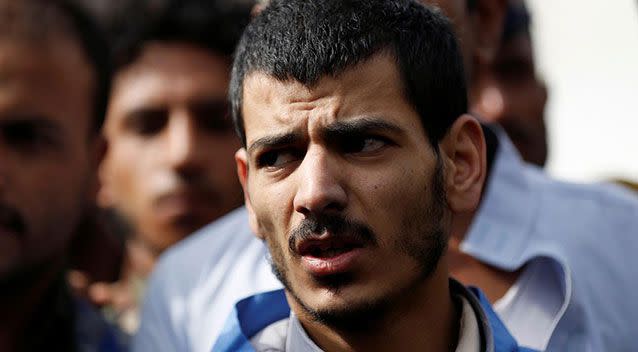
x=169, y=168
x=344, y=186
x=47, y=153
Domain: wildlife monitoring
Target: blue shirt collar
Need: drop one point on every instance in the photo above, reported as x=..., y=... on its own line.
x=255, y=313
x=250, y=316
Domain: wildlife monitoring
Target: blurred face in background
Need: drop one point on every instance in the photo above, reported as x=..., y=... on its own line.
x=502, y=79
x=169, y=169
x=511, y=94
x=47, y=149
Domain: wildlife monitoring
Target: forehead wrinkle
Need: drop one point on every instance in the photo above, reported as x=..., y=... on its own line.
x=290, y=104
x=290, y=92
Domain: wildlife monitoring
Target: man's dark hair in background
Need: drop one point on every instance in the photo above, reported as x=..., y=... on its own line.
x=214, y=25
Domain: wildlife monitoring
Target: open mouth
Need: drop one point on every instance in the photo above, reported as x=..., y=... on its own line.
x=329, y=255
x=327, y=247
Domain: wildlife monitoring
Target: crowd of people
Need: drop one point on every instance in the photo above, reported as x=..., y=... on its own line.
x=294, y=175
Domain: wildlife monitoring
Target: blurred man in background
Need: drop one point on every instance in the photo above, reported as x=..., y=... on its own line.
x=509, y=92
x=169, y=167
x=54, y=85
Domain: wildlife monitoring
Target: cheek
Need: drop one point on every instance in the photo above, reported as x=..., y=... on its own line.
x=128, y=171
x=52, y=206
x=388, y=197
x=388, y=188
x=272, y=204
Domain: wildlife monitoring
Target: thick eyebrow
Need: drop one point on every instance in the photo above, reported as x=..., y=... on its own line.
x=348, y=128
x=274, y=141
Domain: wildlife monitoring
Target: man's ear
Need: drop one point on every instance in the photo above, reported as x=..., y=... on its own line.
x=463, y=152
x=241, y=159
x=487, y=25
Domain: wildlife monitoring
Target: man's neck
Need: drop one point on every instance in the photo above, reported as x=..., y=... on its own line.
x=22, y=296
x=140, y=258
x=470, y=271
x=426, y=319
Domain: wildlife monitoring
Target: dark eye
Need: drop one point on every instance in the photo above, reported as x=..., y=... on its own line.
x=212, y=116
x=147, y=122
x=363, y=144
x=27, y=135
x=277, y=158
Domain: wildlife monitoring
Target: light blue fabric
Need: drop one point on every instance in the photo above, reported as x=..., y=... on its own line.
x=255, y=313
x=197, y=283
x=589, y=231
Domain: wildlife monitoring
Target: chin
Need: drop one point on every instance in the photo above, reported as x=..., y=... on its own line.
x=347, y=307
x=349, y=313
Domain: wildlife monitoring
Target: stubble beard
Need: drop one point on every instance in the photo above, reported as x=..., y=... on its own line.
x=426, y=250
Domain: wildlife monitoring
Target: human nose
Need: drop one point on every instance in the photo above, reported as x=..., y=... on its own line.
x=321, y=186
x=184, y=149
x=492, y=103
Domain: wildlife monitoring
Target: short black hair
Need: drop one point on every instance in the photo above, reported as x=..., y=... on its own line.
x=215, y=25
x=305, y=40
x=28, y=21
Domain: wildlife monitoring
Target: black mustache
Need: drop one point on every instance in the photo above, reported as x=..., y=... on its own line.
x=337, y=225
x=11, y=219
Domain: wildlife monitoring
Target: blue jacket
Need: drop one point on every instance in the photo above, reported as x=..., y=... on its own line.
x=253, y=314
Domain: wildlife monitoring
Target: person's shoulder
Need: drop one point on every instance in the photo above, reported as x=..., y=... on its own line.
x=182, y=265
x=218, y=236
x=516, y=176
x=593, y=201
